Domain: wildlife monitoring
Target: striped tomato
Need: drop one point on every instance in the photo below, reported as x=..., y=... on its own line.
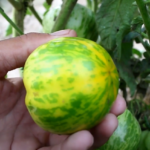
x=126, y=136
x=71, y=84
x=144, y=141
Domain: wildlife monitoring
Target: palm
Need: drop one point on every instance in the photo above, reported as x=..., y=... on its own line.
x=17, y=127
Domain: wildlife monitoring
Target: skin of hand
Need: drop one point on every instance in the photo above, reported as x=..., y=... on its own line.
x=17, y=129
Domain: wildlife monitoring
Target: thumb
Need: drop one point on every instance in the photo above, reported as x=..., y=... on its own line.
x=15, y=51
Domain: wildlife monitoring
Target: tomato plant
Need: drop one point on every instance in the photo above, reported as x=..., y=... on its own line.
x=120, y=25
x=78, y=20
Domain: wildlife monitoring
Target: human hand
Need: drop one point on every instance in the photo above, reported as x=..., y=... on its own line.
x=17, y=129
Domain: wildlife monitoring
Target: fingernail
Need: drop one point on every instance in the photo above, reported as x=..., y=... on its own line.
x=61, y=32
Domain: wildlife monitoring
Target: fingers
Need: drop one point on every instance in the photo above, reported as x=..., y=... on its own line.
x=104, y=130
x=56, y=139
x=81, y=140
x=14, y=52
x=84, y=140
x=119, y=106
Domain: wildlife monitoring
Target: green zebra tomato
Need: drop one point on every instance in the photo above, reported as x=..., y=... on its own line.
x=82, y=20
x=144, y=141
x=126, y=136
x=71, y=84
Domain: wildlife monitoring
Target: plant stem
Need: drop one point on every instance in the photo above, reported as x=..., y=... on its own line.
x=145, y=15
x=35, y=14
x=89, y=4
x=19, y=16
x=17, y=5
x=92, y=4
x=95, y=5
x=49, y=2
x=10, y=21
x=64, y=14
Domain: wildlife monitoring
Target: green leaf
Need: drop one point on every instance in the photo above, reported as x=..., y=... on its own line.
x=46, y=6
x=28, y=12
x=126, y=48
x=49, y=2
x=147, y=1
x=134, y=3
x=93, y=4
x=123, y=66
x=111, y=18
x=137, y=52
x=126, y=52
x=135, y=106
x=89, y=3
x=137, y=23
x=124, y=29
x=145, y=67
x=147, y=54
x=126, y=74
x=9, y=30
x=131, y=36
x=147, y=79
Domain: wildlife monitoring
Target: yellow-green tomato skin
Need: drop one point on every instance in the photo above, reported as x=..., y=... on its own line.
x=71, y=84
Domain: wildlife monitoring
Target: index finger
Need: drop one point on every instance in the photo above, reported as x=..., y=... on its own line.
x=15, y=51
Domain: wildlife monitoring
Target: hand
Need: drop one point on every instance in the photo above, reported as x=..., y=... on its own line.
x=17, y=129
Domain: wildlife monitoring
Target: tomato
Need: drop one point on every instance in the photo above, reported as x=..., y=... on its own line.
x=71, y=84
x=145, y=140
x=126, y=136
